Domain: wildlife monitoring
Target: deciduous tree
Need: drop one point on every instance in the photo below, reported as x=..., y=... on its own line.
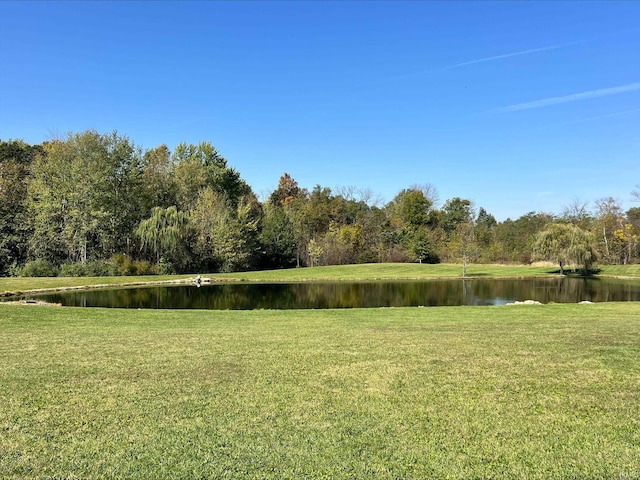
x=608, y=219
x=15, y=174
x=199, y=166
x=456, y=211
x=515, y=238
x=277, y=238
x=565, y=244
x=226, y=237
x=83, y=197
x=164, y=233
x=286, y=192
x=158, y=182
x=577, y=213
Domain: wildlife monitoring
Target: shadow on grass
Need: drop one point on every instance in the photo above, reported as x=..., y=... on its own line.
x=576, y=273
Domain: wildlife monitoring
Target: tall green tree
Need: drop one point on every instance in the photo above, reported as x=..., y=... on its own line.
x=457, y=223
x=321, y=208
x=515, y=238
x=485, y=235
x=226, y=237
x=201, y=166
x=456, y=211
x=422, y=243
x=633, y=216
x=412, y=219
x=83, y=197
x=277, y=238
x=411, y=209
x=66, y=197
x=340, y=245
x=16, y=158
x=158, y=182
x=124, y=187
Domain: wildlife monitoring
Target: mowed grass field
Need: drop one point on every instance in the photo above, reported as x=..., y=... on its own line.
x=547, y=391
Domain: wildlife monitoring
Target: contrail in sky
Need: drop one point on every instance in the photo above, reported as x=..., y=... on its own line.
x=546, y=102
x=486, y=59
x=532, y=50
x=508, y=55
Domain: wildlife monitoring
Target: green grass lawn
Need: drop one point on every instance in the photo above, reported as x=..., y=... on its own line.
x=548, y=391
x=620, y=270
x=404, y=271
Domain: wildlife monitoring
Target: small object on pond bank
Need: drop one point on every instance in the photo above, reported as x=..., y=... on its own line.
x=198, y=281
x=526, y=302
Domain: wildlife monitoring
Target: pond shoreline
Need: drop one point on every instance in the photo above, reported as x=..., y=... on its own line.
x=4, y=296
x=251, y=294
x=208, y=280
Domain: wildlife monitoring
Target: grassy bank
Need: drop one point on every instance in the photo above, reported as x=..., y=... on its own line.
x=10, y=285
x=401, y=271
x=547, y=391
x=620, y=270
x=411, y=271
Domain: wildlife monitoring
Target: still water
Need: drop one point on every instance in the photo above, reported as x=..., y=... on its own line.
x=249, y=296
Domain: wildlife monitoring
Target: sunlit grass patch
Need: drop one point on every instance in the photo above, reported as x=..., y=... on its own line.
x=21, y=284
x=400, y=271
x=504, y=392
x=620, y=270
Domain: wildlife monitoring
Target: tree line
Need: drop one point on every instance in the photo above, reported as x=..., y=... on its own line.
x=97, y=204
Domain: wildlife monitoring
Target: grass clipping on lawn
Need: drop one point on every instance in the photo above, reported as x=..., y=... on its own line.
x=485, y=392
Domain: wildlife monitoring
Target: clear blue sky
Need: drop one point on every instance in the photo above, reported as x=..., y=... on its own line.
x=518, y=106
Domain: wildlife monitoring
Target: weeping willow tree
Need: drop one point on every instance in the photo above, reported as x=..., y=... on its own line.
x=565, y=244
x=163, y=232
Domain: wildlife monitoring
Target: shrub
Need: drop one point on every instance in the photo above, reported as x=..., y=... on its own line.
x=14, y=269
x=72, y=270
x=143, y=267
x=96, y=268
x=39, y=268
x=124, y=265
x=100, y=268
x=398, y=255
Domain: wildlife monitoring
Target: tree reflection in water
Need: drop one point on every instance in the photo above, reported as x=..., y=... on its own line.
x=320, y=295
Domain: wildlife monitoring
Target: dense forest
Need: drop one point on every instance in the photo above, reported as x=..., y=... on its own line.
x=96, y=204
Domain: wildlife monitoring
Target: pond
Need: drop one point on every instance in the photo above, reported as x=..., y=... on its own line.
x=320, y=295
